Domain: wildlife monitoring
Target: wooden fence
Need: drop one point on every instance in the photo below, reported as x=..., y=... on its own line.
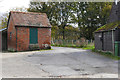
x=80, y=42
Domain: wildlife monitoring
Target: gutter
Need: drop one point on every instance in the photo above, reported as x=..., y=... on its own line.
x=33, y=26
x=16, y=39
x=105, y=30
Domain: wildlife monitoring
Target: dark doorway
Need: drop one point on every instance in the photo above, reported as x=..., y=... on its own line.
x=4, y=40
x=102, y=39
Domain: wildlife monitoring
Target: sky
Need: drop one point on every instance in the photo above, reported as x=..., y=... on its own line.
x=6, y=5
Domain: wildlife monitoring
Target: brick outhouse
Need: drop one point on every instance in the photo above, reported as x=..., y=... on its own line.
x=28, y=31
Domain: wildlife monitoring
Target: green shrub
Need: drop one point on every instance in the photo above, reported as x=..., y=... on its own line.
x=11, y=50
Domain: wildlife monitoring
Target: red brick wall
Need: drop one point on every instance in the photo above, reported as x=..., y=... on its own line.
x=11, y=41
x=22, y=38
x=0, y=41
x=44, y=37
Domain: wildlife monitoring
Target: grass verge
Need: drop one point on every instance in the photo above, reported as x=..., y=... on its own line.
x=107, y=54
x=74, y=46
x=91, y=47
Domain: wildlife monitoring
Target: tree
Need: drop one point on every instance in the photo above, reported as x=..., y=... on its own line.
x=57, y=12
x=96, y=15
x=89, y=16
x=43, y=7
x=79, y=15
x=4, y=17
x=3, y=20
x=62, y=15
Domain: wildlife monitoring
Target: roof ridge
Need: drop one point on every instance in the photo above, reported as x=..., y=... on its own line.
x=30, y=19
x=27, y=12
x=108, y=26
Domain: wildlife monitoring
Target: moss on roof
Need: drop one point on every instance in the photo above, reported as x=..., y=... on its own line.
x=109, y=26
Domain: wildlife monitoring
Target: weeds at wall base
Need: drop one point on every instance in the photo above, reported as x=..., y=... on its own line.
x=11, y=51
x=107, y=54
x=74, y=46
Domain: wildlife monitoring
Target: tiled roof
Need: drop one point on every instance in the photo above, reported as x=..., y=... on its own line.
x=30, y=19
x=109, y=26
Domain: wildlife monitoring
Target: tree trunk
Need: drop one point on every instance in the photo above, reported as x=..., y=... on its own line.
x=63, y=32
x=79, y=25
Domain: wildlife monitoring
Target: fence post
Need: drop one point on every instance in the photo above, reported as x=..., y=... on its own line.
x=87, y=42
x=68, y=42
x=72, y=42
x=52, y=41
x=91, y=40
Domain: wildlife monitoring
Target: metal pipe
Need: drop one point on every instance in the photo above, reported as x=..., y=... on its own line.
x=16, y=38
x=113, y=38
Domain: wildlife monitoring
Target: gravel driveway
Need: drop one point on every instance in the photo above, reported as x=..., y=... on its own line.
x=59, y=62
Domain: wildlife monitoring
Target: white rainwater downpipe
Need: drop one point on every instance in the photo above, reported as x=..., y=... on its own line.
x=113, y=39
x=116, y=1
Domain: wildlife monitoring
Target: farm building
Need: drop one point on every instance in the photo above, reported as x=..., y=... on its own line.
x=3, y=39
x=28, y=31
x=107, y=35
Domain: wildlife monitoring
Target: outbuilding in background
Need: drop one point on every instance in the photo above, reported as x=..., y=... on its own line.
x=3, y=39
x=107, y=35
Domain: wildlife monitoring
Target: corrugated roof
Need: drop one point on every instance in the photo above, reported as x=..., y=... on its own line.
x=30, y=19
x=109, y=26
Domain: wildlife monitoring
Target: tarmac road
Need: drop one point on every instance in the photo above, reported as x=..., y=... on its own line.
x=60, y=62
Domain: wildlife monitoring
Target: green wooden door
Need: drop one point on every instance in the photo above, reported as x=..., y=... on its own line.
x=33, y=35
